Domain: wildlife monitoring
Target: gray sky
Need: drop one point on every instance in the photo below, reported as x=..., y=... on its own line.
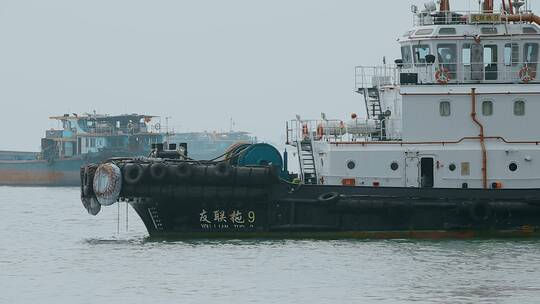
x=201, y=62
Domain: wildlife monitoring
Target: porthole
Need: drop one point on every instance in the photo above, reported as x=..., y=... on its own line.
x=452, y=167
x=513, y=167
x=351, y=165
x=394, y=166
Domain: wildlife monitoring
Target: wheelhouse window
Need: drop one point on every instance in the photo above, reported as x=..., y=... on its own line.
x=519, y=108
x=444, y=108
x=466, y=54
x=489, y=30
x=420, y=52
x=487, y=108
x=406, y=56
x=408, y=33
x=490, y=61
x=447, y=31
x=447, y=55
x=423, y=32
x=529, y=30
x=530, y=52
x=511, y=54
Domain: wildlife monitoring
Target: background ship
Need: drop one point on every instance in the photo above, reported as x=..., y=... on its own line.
x=91, y=138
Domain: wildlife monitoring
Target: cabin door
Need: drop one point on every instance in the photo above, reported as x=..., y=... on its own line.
x=412, y=170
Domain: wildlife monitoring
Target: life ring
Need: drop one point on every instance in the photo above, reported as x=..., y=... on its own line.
x=157, y=126
x=320, y=131
x=526, y=74
x=305, y=130
x=133, y=173
x=442, y=75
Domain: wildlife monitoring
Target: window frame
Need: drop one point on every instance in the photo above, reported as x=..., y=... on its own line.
x=489, y=31
x=424, y=32
x=486, y=102
x=511, y=54
x=417, y=60
x=442, y=112
x=407, y=64
x=450, y=31
x=516, y=110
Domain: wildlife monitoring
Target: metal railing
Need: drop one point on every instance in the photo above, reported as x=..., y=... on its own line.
x=376, y=76
x=448, y=73
x=462, y=17
x=331, y=130
x=474, y=72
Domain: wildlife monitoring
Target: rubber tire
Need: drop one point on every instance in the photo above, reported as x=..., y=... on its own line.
x=223, y=170
x=480, y=211
x=329, y=197
x=182, y=172
x=88, y=181
x=158, y=172
x=133, y=174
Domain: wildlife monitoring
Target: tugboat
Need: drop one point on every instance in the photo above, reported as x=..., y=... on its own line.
x=449, y=148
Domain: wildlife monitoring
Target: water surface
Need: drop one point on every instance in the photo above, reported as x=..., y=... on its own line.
x=52, y=251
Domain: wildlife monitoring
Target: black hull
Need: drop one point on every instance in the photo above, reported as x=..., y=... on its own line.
x=293, y=211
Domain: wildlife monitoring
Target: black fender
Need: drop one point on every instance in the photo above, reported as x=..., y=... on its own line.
x=181, y=172
x=480, y=211
x=330, y=197
x=158, y=172
x=223, y=170
x=133, y=173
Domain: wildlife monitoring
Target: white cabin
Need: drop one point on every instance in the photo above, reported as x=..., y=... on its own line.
x=460, y=109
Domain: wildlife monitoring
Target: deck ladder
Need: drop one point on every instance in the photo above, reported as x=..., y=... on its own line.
x=307, y=162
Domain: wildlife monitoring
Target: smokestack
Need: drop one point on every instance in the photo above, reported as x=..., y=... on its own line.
x=488, y=6
x=445, y=6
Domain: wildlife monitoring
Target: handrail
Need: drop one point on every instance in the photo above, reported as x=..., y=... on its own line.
x=403, y=143
x=456, y=73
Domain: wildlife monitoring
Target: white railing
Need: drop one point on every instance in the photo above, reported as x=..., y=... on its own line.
x=462, y=17
x=479, y=72
x=334, y=130
x=448, y=73
x=376, y=76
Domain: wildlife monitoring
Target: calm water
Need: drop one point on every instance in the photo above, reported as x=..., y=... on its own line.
x=51, y=251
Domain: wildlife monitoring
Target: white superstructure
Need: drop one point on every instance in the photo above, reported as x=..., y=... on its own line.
x=460, y=109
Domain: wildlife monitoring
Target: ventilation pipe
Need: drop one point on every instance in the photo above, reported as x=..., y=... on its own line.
x=481, y=137
x=531, y=18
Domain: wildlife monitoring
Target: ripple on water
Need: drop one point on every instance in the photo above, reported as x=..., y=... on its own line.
x=61, y=254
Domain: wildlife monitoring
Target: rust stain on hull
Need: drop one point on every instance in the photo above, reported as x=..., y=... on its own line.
x=38, y=178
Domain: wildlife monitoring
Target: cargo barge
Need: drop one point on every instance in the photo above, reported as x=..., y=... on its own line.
x=83, y=139
x=449, y=148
